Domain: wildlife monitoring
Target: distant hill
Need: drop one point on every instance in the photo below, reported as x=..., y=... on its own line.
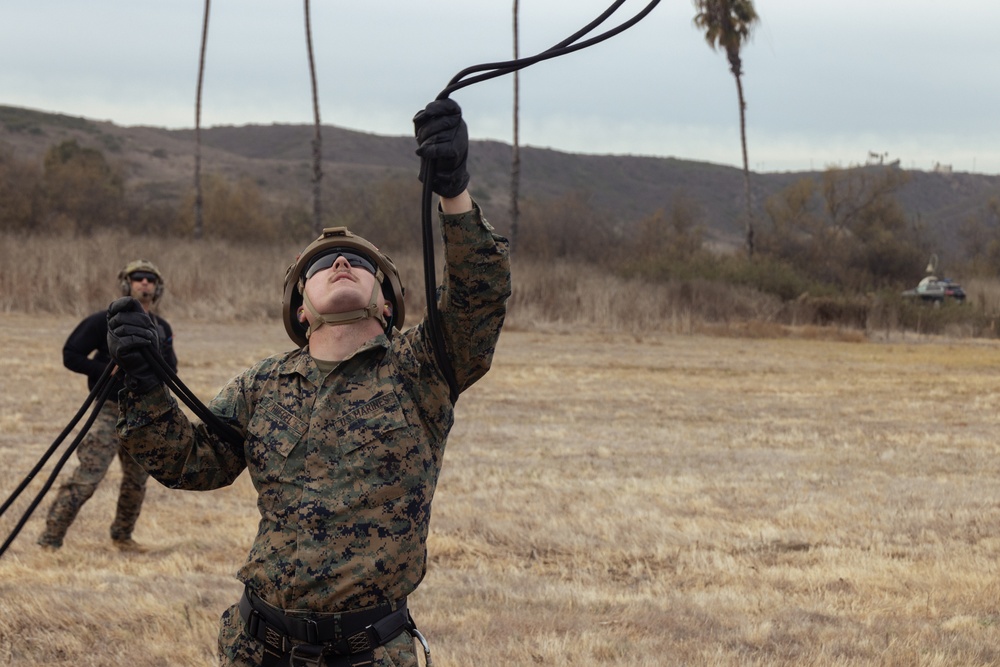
x=159, y=163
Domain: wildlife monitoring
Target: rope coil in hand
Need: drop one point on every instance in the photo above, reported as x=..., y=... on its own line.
x=461, y=80
x=98, y=396
x=102, y=389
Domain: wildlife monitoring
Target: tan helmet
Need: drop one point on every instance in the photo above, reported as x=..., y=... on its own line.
x=140, y=265
x=339, y=237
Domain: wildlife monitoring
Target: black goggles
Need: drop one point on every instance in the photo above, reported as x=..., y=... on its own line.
x=137, y=276
x=326, y=260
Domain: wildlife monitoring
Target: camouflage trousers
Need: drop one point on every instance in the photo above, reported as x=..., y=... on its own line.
x=95, y=453
x=238, y=649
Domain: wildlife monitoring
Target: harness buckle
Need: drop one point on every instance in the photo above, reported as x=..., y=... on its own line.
x=253, y=622
x=312, y=631
x=310, y=660
x=273, y=640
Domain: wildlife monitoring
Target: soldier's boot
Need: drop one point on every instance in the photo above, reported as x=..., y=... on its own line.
x=128, y=545
x=130, y=499
x=62, y=513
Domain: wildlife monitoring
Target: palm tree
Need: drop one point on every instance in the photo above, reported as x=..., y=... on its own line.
x=317, y=144
x=515, y=166
x=727, y=25
x=198, y=225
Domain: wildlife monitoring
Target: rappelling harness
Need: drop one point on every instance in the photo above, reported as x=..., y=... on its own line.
x=346, y=639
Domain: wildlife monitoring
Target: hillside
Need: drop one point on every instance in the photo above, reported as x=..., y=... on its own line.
x=159, y=163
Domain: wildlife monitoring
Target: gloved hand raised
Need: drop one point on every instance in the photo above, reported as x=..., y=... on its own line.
x=443, y=138
x=130, y=330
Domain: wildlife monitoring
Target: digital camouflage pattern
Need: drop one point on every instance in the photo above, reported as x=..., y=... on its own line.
x=95, y=454
x=86, y=352
x=345, y=466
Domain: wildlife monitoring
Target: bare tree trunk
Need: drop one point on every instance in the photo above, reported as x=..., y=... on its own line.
x=198, y=221
x=317, y=143
x=746, y=169
x=515, y=167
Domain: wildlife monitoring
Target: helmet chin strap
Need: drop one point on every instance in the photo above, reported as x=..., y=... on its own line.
x=351, y=316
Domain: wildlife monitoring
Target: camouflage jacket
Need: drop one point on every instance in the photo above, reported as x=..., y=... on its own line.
x=345, y=466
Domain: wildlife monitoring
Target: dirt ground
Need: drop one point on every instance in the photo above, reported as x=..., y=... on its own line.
x=606, y=500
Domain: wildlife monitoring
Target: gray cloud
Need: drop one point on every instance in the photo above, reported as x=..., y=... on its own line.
x=825, y=83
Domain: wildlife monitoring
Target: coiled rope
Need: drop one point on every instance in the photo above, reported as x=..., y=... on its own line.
x=97, y=397
x=468, y=77
x=226, y=432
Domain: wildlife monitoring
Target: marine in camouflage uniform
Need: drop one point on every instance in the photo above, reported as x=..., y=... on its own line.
x=143, y=281
x=345, y=455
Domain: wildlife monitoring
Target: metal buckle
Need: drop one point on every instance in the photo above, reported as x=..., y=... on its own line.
x=423, y=642
x=253, y=623
x=294, y=659
x=272, y=638
x=312, y=631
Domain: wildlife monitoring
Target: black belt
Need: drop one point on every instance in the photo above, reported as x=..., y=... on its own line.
x=344, y=634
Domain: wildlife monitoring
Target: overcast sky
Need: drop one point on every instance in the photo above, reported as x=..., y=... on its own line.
x=825, y=82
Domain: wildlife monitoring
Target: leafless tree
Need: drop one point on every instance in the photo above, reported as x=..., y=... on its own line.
x=515, y=166
x=317, y=142
x=198, y=221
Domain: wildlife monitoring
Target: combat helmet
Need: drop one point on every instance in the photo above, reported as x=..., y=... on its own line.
x=387, y=276
x=140, y=265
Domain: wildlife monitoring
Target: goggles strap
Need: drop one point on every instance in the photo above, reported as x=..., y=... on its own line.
x=351, y=316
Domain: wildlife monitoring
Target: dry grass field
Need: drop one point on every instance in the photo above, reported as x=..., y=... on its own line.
x=607, y=500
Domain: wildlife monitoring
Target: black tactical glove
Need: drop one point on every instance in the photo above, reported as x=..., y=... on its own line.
x=130, y=330
x=443, y=139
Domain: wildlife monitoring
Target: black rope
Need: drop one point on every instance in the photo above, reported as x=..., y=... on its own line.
x=98, y=396
x=163, y=370
x=101, y=390
x=98, y=387
x=430, y=288
x=568, y=45
x=491, y=71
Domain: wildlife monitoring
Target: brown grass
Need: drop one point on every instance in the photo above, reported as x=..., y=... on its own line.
x=608, y=499
x=217, y=281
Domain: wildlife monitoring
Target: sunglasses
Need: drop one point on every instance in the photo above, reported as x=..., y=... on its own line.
x=139, y=276
x=326, y=261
